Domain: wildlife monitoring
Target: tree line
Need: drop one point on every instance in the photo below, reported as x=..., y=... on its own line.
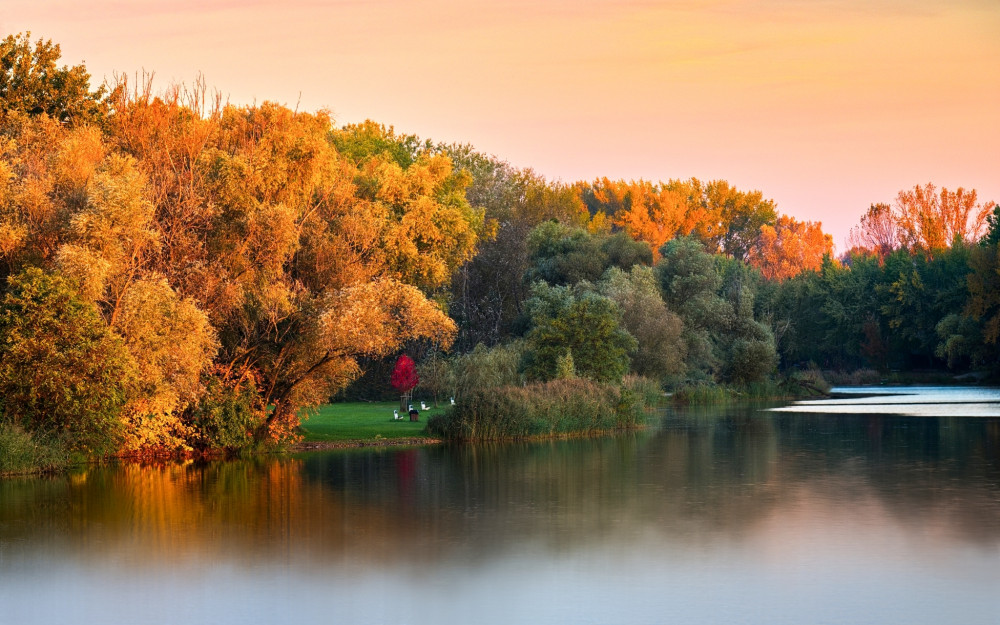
x=181, y=273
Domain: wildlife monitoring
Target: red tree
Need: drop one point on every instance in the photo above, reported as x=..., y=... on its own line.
x=404, y=377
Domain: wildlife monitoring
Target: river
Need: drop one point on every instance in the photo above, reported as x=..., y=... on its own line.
x=856, y=510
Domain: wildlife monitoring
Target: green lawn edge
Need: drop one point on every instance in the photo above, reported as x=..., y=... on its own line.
x=362, y=421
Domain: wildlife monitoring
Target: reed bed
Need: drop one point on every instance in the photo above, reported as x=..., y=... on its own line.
x=558, y=407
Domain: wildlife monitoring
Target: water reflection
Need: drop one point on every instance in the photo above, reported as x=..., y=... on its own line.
x=915, y=401
x=715, y=515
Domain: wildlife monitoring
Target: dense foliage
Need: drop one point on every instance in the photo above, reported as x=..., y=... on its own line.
x=178, y=274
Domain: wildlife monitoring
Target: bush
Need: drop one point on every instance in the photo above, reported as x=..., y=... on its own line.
x=483, y=369
x=227, y=416
x=858, y=377
x=21, y=453
x=576, y=406
x=808, y=382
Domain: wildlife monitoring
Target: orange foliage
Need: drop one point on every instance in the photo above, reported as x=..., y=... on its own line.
x=790, y=247
x=928, y=220
x=648, y=213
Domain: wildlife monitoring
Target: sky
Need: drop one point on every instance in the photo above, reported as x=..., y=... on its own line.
x=826, y=106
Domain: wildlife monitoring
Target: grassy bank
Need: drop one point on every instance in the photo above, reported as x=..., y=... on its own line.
x=558, y=407
x=362, y=421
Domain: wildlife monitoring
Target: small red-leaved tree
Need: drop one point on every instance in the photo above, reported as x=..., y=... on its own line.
x=404, y=378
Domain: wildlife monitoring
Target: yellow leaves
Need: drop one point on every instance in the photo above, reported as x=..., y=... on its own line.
x=169, y=336
x=77, y=158
x=375, y=318
x=12, y=238
x=88, y=268
x=172, y=344
x=116, y=222
x=427, y=230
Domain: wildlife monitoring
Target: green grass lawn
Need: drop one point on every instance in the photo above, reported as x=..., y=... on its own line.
x=362, y=421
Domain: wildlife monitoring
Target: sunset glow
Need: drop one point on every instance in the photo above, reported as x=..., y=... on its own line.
x=826, y=107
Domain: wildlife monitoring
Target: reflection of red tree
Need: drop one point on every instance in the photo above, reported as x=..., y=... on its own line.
x=406, y=472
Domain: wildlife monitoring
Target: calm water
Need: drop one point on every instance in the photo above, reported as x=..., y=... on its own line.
x=738, y=515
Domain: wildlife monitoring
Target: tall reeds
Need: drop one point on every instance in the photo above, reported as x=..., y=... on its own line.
x=571, y=406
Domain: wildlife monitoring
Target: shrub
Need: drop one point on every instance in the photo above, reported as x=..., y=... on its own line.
x=649, y=391
x=20, y=452
x=808, y=382
x=227, y=416
x=701, y=393
x=858, y=377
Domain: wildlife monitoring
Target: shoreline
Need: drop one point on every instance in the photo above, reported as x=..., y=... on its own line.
x=415, y=441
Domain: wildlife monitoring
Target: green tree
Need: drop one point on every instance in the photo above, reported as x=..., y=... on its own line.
x=565, y=369
x=689, y=282
x=984, y=298
x=583, y=322
x=565, y=255
x=660, y=352
x=749, y=352
x=31, y=82
x=992, y=235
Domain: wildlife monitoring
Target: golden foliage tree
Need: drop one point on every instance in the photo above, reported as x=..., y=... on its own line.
x=790, y=247
x=929, y=220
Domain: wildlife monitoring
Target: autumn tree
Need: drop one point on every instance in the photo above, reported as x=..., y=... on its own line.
x=647, y=212
x=789, y=247
x=878, y=231
x=929, y=220
x=737, y=218
x=404, y=377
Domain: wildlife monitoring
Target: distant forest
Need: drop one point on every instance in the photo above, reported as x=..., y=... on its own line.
x=179, y=273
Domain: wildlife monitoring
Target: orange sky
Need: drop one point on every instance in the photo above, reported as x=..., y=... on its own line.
x=824, y=105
